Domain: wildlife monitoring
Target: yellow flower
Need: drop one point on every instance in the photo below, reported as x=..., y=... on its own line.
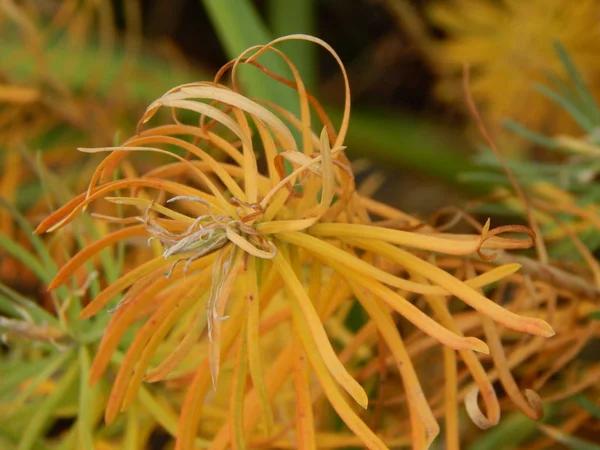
x=510, y=46
x=290, y=246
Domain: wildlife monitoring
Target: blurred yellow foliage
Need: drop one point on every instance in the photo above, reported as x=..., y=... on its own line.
x=509, y=45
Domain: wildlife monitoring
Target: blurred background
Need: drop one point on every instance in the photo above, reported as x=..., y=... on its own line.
x=90, y=67
x=73, y=68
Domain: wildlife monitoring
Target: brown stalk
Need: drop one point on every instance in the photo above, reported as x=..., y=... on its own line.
x=545, y=272
x=539, y=241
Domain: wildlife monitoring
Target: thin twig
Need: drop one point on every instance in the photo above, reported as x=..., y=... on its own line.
x=539, y=241
x=545, y=272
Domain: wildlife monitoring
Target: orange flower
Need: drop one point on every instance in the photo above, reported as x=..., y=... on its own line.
x=297, y=238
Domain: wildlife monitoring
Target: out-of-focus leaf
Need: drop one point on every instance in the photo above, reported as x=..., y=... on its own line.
x=566, y=249
x=9, y=309
x=486, y=179
x=132, y=432
x=35, y=240
x=86, y=399
x=11, y=375
x=513, y=430
x=40, y=419
x=298, y=16
x=581, y=88
x=406, y=141
x=493, y=209
x=25, y=257
x=149, y=75
x=526, y=133
x=162, y=415
x=239, y=27
x=53, y=364
x=572, y=442
x=585, y=402
x=583, y=121
x=6, y=443
x=530, y=169
x=37, y=313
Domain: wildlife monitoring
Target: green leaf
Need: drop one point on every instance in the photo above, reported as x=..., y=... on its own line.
x=67, y=440
x=12, y=375
x=25, y=257
x=148, y=75
x=585, y=402
x=239, y=27
x=530, y=135
x=6, y=443
x=86, y=399
x=572, y=442
x=291, y=17
x=36, y=241
x=514, y=429
x=163, y=416
x=567, y=250
x=583, y=121
x=43, y=415
x=132, y=432
x=487, y=159
x=52, y=365
x=9, y=309
x=410, y=142
x=37, y=313
x=595, y=315
x=580, y=87
x=488, y=180
x=356, y=317
x=490, y=210
x=109, y=267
